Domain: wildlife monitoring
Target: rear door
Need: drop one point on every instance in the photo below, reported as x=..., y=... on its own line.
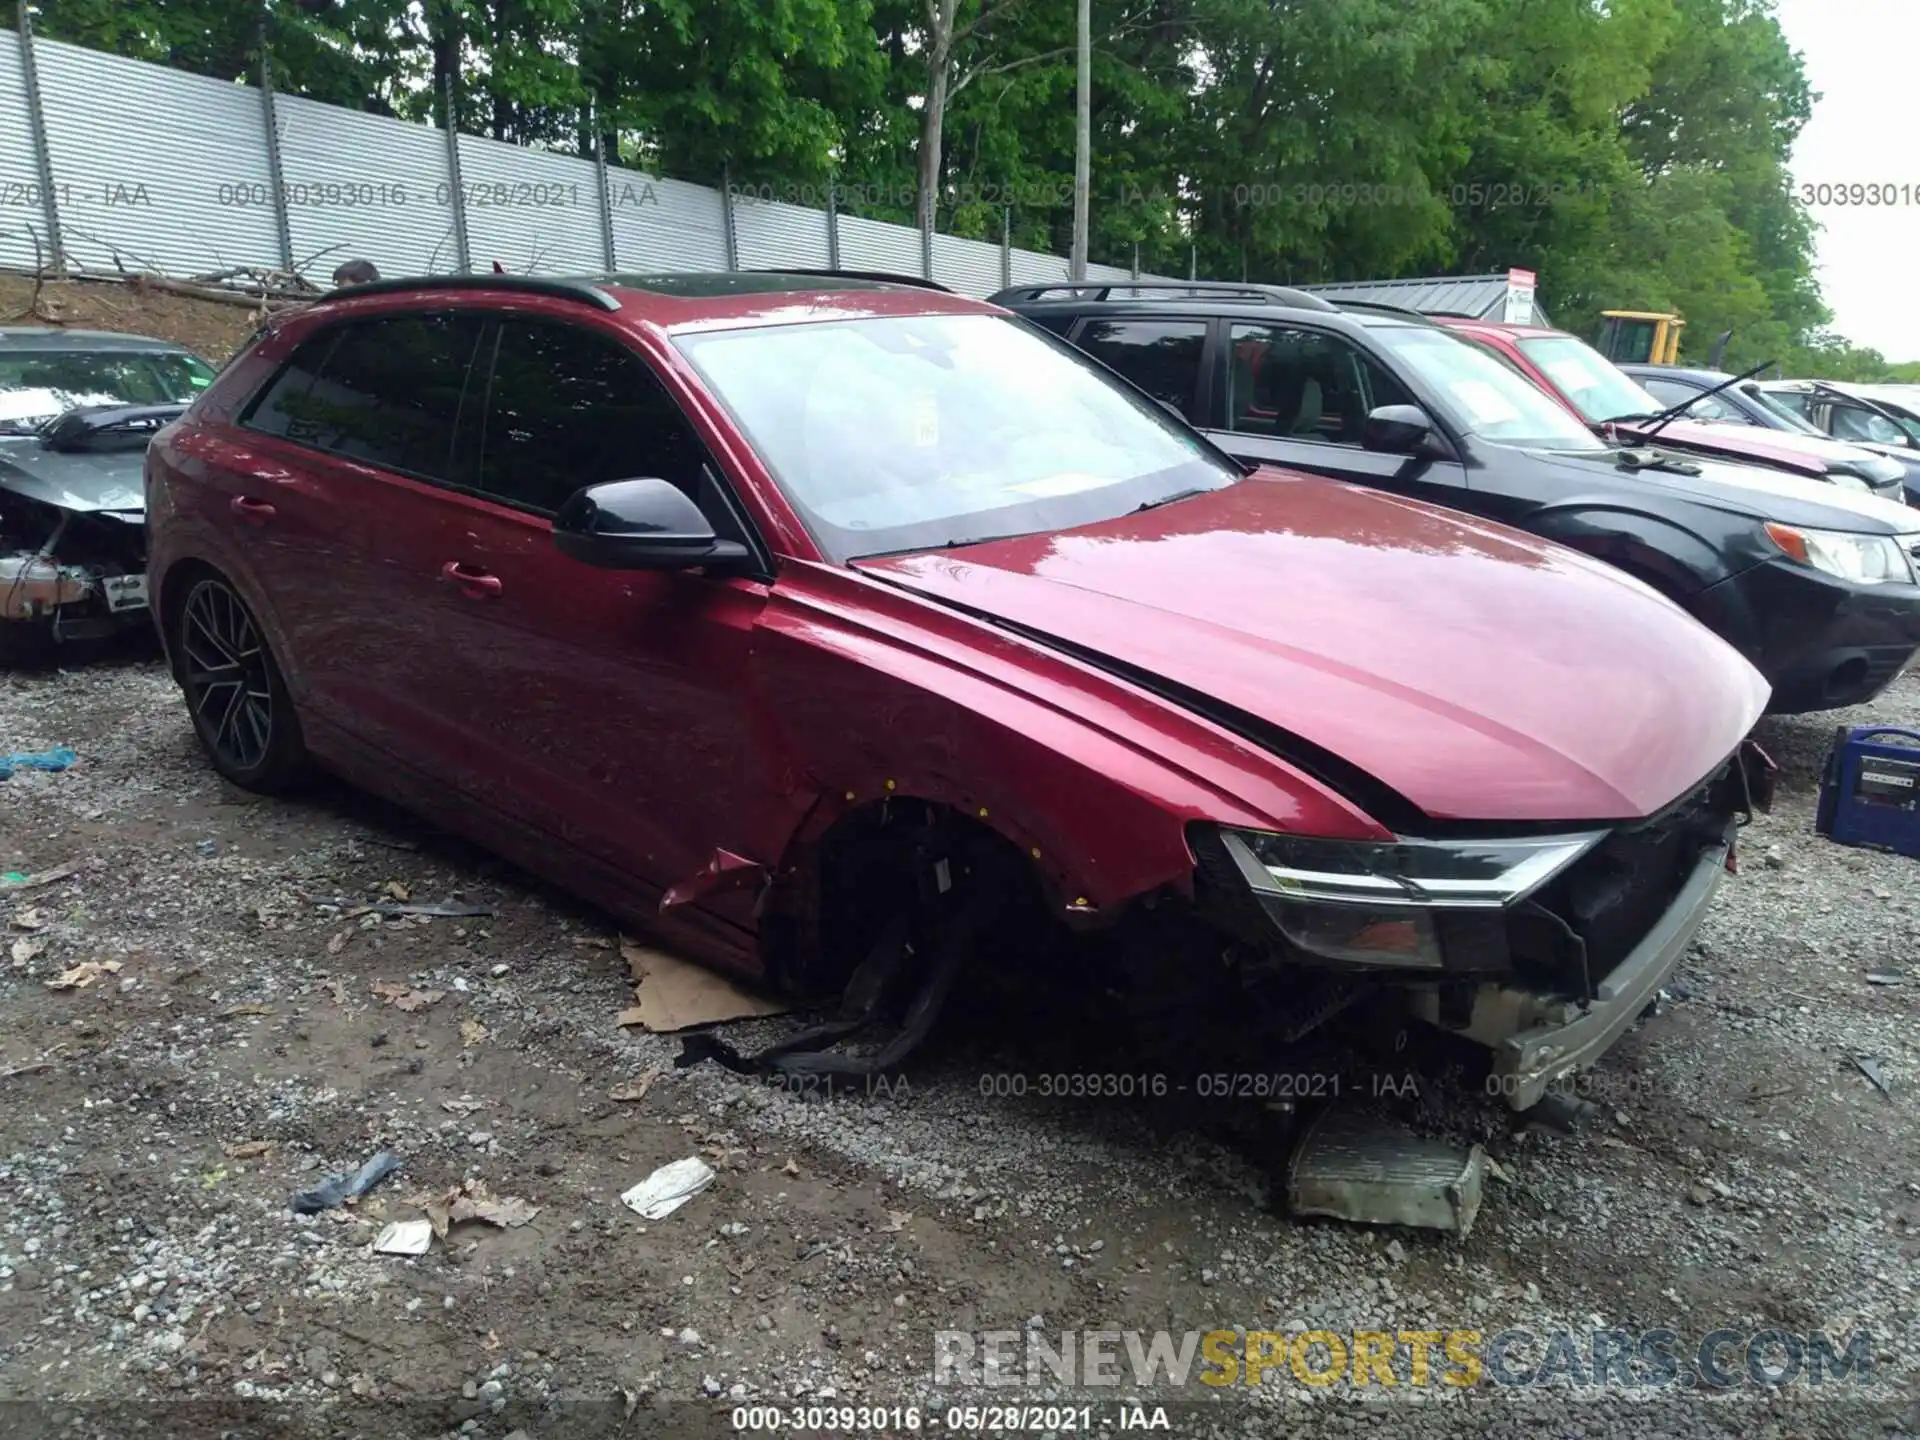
x=352, y=451
x=1298, y=397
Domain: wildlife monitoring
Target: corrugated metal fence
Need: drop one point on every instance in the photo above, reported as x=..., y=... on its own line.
x=123, y=163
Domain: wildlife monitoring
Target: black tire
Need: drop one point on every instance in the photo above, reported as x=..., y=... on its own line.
x=234, y=691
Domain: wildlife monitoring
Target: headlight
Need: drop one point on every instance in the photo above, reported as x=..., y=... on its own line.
x=1375, y=903
x=1863, y=559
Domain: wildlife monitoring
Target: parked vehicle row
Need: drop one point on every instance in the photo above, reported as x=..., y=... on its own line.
x=1813, y=582
x=77, y=408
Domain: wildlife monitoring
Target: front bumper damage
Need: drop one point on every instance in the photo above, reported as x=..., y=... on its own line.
x=1537, y=1039
x=1547, y=984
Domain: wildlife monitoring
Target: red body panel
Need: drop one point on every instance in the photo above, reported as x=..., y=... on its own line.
x=627, y=733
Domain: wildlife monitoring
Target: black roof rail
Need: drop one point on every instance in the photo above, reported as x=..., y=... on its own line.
x=877, y=277
x=1424, y=317
x=1103, y=290
x=581, y=290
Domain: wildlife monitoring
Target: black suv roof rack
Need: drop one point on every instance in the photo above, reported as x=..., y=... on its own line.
x=877, y=277
x=581, y=290
x=1101, y=290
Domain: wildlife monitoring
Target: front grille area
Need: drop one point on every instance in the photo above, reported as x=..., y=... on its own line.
x=1589, y=919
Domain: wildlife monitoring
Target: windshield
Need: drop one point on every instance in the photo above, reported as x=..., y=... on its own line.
x=912, y=432
x=36, y=385
x=1795, y=420
x=1483, y=396
x=1594, y=386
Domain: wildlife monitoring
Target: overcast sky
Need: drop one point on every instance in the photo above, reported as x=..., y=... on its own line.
x=1861, y=58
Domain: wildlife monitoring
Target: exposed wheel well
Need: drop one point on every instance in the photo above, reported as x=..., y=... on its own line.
x=839, y=891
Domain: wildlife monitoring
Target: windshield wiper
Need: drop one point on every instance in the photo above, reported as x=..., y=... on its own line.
x=1674, y=412
x=1166, y=500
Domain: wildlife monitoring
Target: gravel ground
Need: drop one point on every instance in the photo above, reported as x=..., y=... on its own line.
x=1742, y=1173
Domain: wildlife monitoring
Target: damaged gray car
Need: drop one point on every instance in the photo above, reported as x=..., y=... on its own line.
x=77, y=408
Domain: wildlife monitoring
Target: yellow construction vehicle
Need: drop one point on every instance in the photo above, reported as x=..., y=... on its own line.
x=1640, y=337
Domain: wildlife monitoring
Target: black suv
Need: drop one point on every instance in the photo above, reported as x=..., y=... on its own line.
x=1815, y=585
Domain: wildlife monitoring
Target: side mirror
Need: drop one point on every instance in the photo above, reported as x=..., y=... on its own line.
x=647, y=524
x=1396, y=430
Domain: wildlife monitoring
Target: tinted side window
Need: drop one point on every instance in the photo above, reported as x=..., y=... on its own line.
x=1162, y=357
x=1304, y=385
x=1668, y=392
x=389, y=393
x=567, y=409
x=278, y=408
x=1798, y=401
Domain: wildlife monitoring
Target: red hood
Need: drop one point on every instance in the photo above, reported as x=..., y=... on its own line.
x=1808, y=454
x=1481, y=673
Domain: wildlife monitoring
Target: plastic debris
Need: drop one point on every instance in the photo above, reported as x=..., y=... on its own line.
x=1869, y=1066
x=14, y=880
x=58, y=758
x=405, y=1237
x=1886, y=977
x=1366, y=1168
x=668, y=1188
x=338, y=1189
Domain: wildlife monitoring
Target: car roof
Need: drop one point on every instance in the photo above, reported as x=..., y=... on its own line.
x=54, y=337
x=692, y=300
x=1504, y=327
x=1677, y=372
x=1192, y=307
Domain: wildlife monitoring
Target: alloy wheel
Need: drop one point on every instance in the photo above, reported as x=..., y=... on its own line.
x=226, y=677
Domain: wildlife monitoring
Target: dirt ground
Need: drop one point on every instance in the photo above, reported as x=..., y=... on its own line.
x=253, y=1039
x=242, y=1035
x=210, y=329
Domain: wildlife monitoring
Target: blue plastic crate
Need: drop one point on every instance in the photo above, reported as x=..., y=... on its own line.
x=1870, y=793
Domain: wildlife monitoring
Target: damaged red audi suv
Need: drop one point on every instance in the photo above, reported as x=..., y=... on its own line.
x=840, y=629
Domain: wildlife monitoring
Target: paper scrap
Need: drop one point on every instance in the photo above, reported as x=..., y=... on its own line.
x=405, y=1237
x=668, y=1188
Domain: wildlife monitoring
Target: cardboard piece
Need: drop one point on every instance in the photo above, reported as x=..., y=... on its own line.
x=673, y=994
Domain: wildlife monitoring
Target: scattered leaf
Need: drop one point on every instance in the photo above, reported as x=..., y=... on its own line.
x=248, y=1149
x=472, y=1032
x=83, y=974
x=397, y=891
x=593, y=942
x=338, y=942
x=637, y=1090
x=405, y=997
x=234, y=1012
x=30, y=919
x=897, y=1221
x=25, y=949
x=462, y=1106
x=337, y=988
x=472, y=1200
x=790, y=1168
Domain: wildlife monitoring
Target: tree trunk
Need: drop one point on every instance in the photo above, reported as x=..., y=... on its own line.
x=1082, y=139
x=933, y=116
